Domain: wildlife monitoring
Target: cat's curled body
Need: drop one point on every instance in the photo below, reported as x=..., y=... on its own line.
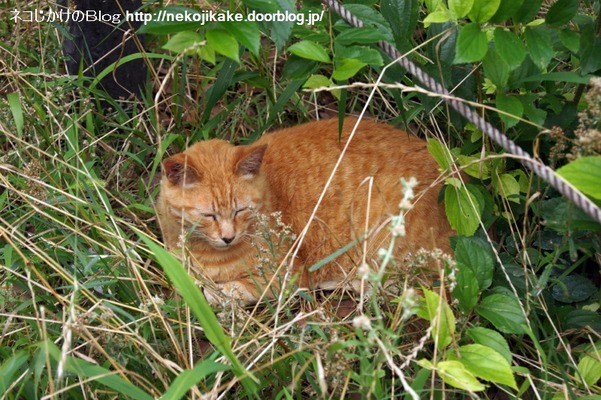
x=208, y=191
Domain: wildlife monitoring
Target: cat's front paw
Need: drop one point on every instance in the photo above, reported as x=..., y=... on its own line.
x=234, y=290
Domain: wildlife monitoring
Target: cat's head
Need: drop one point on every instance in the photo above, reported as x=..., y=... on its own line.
x=212, y=188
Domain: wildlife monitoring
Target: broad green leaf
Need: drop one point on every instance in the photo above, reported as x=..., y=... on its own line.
x=364, y=35
x=590, y=56
x=371, y=17
x=455, y=374
x=364, y=54
x=310, y=50
x=440, y=153
x=561, y=12
x=483, y=10
x=527, y=11
x=509, y=47
x=460, y=8
x=540, y=47
x=184, y=41
x=437, y=17
x=504, y=312
x=493, y=339
x=475, y=253
x=402, y=16
x=506, y=9
x=223, y=43
x=507, y=187
x=434, y=309
x=466, y=289
x=512, y=109
x=10, y=367
x=562, y=216
x=200, y=308
x=246, y=33
x=89, y=371
x=472, y=44
x=474, y=166
x=496, y=69
x=463, y=206
x=573, y=288
x=570, y=39
x=585, y=174
x=590, y=366
x=317, y=81
x=347, y=68
x=190, y=377
x=14, y=101
x=485, y=363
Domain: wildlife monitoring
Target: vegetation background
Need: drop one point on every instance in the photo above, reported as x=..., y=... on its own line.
x=91, y=307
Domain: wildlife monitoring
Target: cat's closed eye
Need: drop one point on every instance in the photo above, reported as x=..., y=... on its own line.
x=240, y=210
x=210, y=216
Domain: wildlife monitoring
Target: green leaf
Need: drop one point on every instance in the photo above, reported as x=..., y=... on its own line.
x=506, y=9
x=455, y=374
x=200, y=308
x=371, y=17
x=496, y=69
x=561, y=12
x=570, y=39
x=573, y=288
x=483, y=10
x=190, y=377
x=14, y=101
x=246, y=33
x=540, y=47
x=347, y=68
x=527, y=11
x=507, y=187
x=512, y=109
x=364, y=35
x=472, y=44
x=460, y=8
x=590, y=367
x=10, y=367
x=504, y=312
x=364, y=54
x=509, y=47
x=317, y=81
x=487, y=364
x=590, y=56
x=223, y=43
x=475, y=253
x=440, y=153
x=466, y=289
x=440, y=315
x=493, y=339
x=402, y=17
x=89, y=371
x=184, y=41
x=437, y=17
x=562, y=216
x=474, y=166
x=310, y=50
x=585, y=174
x=463, y=206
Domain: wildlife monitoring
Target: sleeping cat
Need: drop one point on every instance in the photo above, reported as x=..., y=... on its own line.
x=211, y=194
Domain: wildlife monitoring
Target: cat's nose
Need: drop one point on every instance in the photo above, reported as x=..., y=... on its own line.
x=227, y=240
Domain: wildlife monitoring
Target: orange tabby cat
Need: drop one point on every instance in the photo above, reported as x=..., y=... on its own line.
x=209, y=192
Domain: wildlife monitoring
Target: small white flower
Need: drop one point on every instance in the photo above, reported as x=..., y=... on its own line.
x=362, y=322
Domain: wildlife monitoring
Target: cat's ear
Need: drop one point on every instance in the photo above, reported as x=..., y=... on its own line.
x=250, y=164
x=179, y=172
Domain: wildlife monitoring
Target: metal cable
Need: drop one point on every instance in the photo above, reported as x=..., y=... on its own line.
x=546, y=173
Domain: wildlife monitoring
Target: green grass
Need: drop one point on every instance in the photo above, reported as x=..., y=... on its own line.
x=92, y=307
